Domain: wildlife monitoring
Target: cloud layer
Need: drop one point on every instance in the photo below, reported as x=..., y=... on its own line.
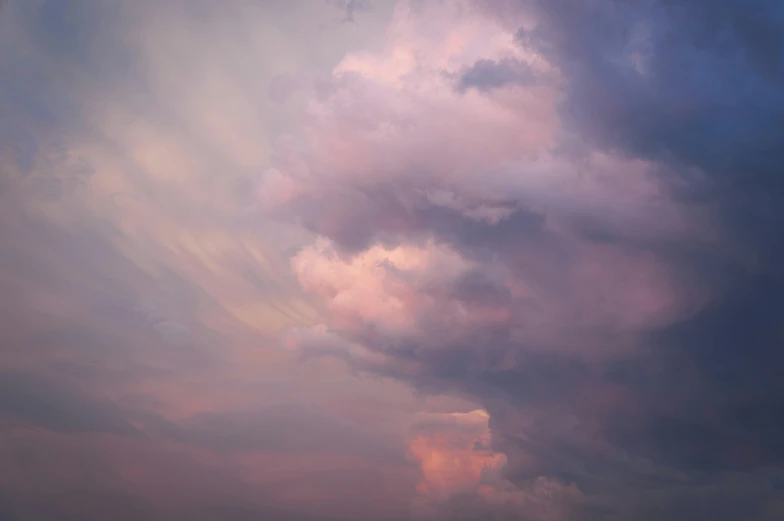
x=556, y=208
x=421, y=259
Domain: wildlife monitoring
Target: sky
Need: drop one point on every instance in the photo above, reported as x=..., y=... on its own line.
x=391, y=260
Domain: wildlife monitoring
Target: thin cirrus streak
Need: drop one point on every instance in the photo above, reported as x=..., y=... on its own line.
x=391, y=259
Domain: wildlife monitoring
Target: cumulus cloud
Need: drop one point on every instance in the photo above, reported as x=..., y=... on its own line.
x=592, y=198
x=462, y=475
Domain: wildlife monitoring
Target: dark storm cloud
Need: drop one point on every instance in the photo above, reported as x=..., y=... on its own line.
x=706, y=91
x=708, y=95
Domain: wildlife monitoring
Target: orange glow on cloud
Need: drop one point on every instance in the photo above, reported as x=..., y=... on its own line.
x=453, y=452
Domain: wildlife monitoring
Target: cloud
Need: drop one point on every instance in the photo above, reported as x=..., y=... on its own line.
x=55, y=476
x=140, y=296
x=350, y=7
x=453, y=452
x=462, y=475
x=596, y=206
x=563, y=214
x=488, y=74
x=34, y=402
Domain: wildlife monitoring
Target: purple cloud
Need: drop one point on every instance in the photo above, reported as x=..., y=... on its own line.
x=523, y=258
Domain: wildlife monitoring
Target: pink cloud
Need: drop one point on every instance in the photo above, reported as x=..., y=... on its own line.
x=460, y=471
x=393, y=152
x=453, y=453
x=468, y=236
x=380, y=286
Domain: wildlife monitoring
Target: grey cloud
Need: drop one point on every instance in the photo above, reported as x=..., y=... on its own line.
x=709, y=98
x=486, y=75
x=94, y=489
x=287, y=428
x=350, y=7
x=354, y=218
x=41, y=403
